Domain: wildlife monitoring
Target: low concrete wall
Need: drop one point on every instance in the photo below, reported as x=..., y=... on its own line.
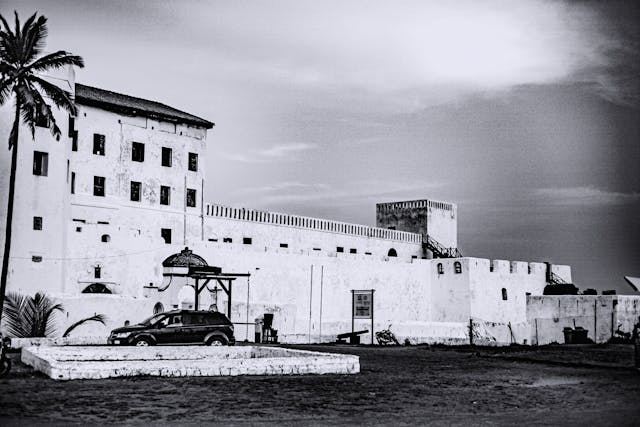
x=80, y=362
x=37, y=342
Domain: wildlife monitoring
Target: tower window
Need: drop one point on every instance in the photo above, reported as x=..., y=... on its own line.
x=166, y=156
x=165, y=195
x=98, y=144
x=191, y=198
x=97, y=272
x=40, y=163
x=98, y=186
x=37, y=223
x=137, y=152
x=193, y=162
x=440, y=268
x=135, y=191
x=165, y=233
x=504, y=294
x=457, y=267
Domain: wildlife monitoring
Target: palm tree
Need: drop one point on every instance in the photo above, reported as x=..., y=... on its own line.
x=20, y=65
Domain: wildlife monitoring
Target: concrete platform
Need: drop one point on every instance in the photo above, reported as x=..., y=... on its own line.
x=93, y=362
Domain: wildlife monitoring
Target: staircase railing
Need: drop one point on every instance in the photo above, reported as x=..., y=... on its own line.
x=439, y=250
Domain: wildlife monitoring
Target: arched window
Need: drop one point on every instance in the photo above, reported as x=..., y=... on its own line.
x=440, y=268
x=504, y=294
x=158, y=308
x=106, y=238
x=457, y=267
x=96, y=288
x=392, y=253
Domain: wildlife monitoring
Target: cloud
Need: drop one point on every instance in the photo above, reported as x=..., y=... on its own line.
x=277, y=153
x=584, y=196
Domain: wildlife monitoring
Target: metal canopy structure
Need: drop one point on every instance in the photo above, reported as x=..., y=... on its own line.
x=187, y=264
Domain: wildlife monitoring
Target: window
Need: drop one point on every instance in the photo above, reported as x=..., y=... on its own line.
x=73, y=183
x=353, y=251
x=97, y=271
x=42, y=120
x=74, y=141
x=137, y=152
x=193, y=162
x=166, y=156
x=40, y=163
x=135, y=191
x=457, y=267
x=98, y=186
x=340, y=249
x=440, y=268
x=98, y=144
x=72, y=125
x=246, y=240
x=158, y=308
x=284, y=245
x=105, y=238
x=191, y=198
x=504, y=294
x=227, y=240
x=165, y=195
x=165, y=233
x=392, y=253
x=96, y=288
x=36, y=258
x=37, y=223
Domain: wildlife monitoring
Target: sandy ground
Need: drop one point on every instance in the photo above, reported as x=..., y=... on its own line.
x=397, y=386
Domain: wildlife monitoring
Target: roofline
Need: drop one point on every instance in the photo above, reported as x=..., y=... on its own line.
x=122, y=109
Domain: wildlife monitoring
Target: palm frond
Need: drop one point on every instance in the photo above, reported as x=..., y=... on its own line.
x=100, y=318
x=55, y=60
x=14, y=315
x=34, y=35
x=60, y=97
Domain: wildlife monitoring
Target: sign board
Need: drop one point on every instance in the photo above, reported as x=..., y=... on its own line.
x=362, y=304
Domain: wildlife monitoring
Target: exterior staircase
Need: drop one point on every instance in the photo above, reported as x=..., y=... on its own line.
x=440, y=251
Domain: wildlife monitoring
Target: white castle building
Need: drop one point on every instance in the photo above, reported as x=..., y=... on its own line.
x=98, y=211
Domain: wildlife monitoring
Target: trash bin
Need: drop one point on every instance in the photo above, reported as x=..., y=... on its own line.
x=568, y=335
x=580, y=336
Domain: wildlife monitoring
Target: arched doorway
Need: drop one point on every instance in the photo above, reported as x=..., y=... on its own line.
x=158, y=308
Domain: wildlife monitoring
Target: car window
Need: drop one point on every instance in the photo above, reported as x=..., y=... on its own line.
x=216, y=319
x=196, y=319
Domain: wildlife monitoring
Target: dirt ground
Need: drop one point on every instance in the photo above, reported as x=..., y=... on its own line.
x=566, y=385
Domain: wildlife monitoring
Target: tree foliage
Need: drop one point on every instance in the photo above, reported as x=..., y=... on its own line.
x=30, y=317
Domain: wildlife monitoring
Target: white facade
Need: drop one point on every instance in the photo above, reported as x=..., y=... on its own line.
x=302, y=269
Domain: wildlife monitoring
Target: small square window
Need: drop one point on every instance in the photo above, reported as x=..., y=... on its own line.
x=137, y=152
x=166, y=156
x=98, y=186
x=193, y=162
x=98, y=144
x=165, y=233
x=227, y=240
x=135, y=191
x=246, y=240
x=340, y=249
x=37, y=223
x=353, y=251
x=165, y=195
x=40, y=163
x=284, y=245
x=191, y=198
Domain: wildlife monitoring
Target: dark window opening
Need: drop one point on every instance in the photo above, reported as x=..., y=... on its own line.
x=193, y=162
x=37, y=223
x=246, y=240
x=103, y=222
x=72, y=124
x=457, y=267
x=392, y=253
x=339, y=249
x=191, y=198
x=284, y=245
x=158, y=308
x=227, y=240
x=98, y=144
x=165, y=195
x=42, y=120
x=440, y=268
x=96, y=288
x=36, y=258
x=105, y=238
x=367, y=253
x=137, y=152
x=97, y=272
x=135, y=191
x=414, y=256
x=213, y=240
x=74, y=141
x=40, y=163
x=98, y=186
x=78, y=229
x=84, y=221
x=165, y=233
x=391, y=227
x=317, y=249
x=504, y=294
x=73, y=183
x=166, y=156
x=353, y=251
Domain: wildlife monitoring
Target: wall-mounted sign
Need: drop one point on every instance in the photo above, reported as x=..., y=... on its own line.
x=362, y=304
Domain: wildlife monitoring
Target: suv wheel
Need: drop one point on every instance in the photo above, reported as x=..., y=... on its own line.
x=217, y=341
x=142, y=342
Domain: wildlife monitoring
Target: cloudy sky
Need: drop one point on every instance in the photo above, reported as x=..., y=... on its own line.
x=525, y=114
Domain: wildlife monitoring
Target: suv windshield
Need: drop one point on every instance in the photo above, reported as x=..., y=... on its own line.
x=152, y=320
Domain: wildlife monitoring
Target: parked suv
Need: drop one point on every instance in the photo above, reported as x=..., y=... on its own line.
x=177, y=327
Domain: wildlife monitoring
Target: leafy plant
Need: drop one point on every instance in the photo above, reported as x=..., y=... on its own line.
x=100, y=318
x=27, y=317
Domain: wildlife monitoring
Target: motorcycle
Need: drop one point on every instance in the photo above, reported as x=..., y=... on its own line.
x=5, y=362
x=386, y=337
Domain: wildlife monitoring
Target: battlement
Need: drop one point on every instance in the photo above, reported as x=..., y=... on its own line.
x=497, y=266
x=310, y=223
x=412, y=204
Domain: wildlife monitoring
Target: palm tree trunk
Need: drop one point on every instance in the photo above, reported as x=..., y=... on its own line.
x=12, y=187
